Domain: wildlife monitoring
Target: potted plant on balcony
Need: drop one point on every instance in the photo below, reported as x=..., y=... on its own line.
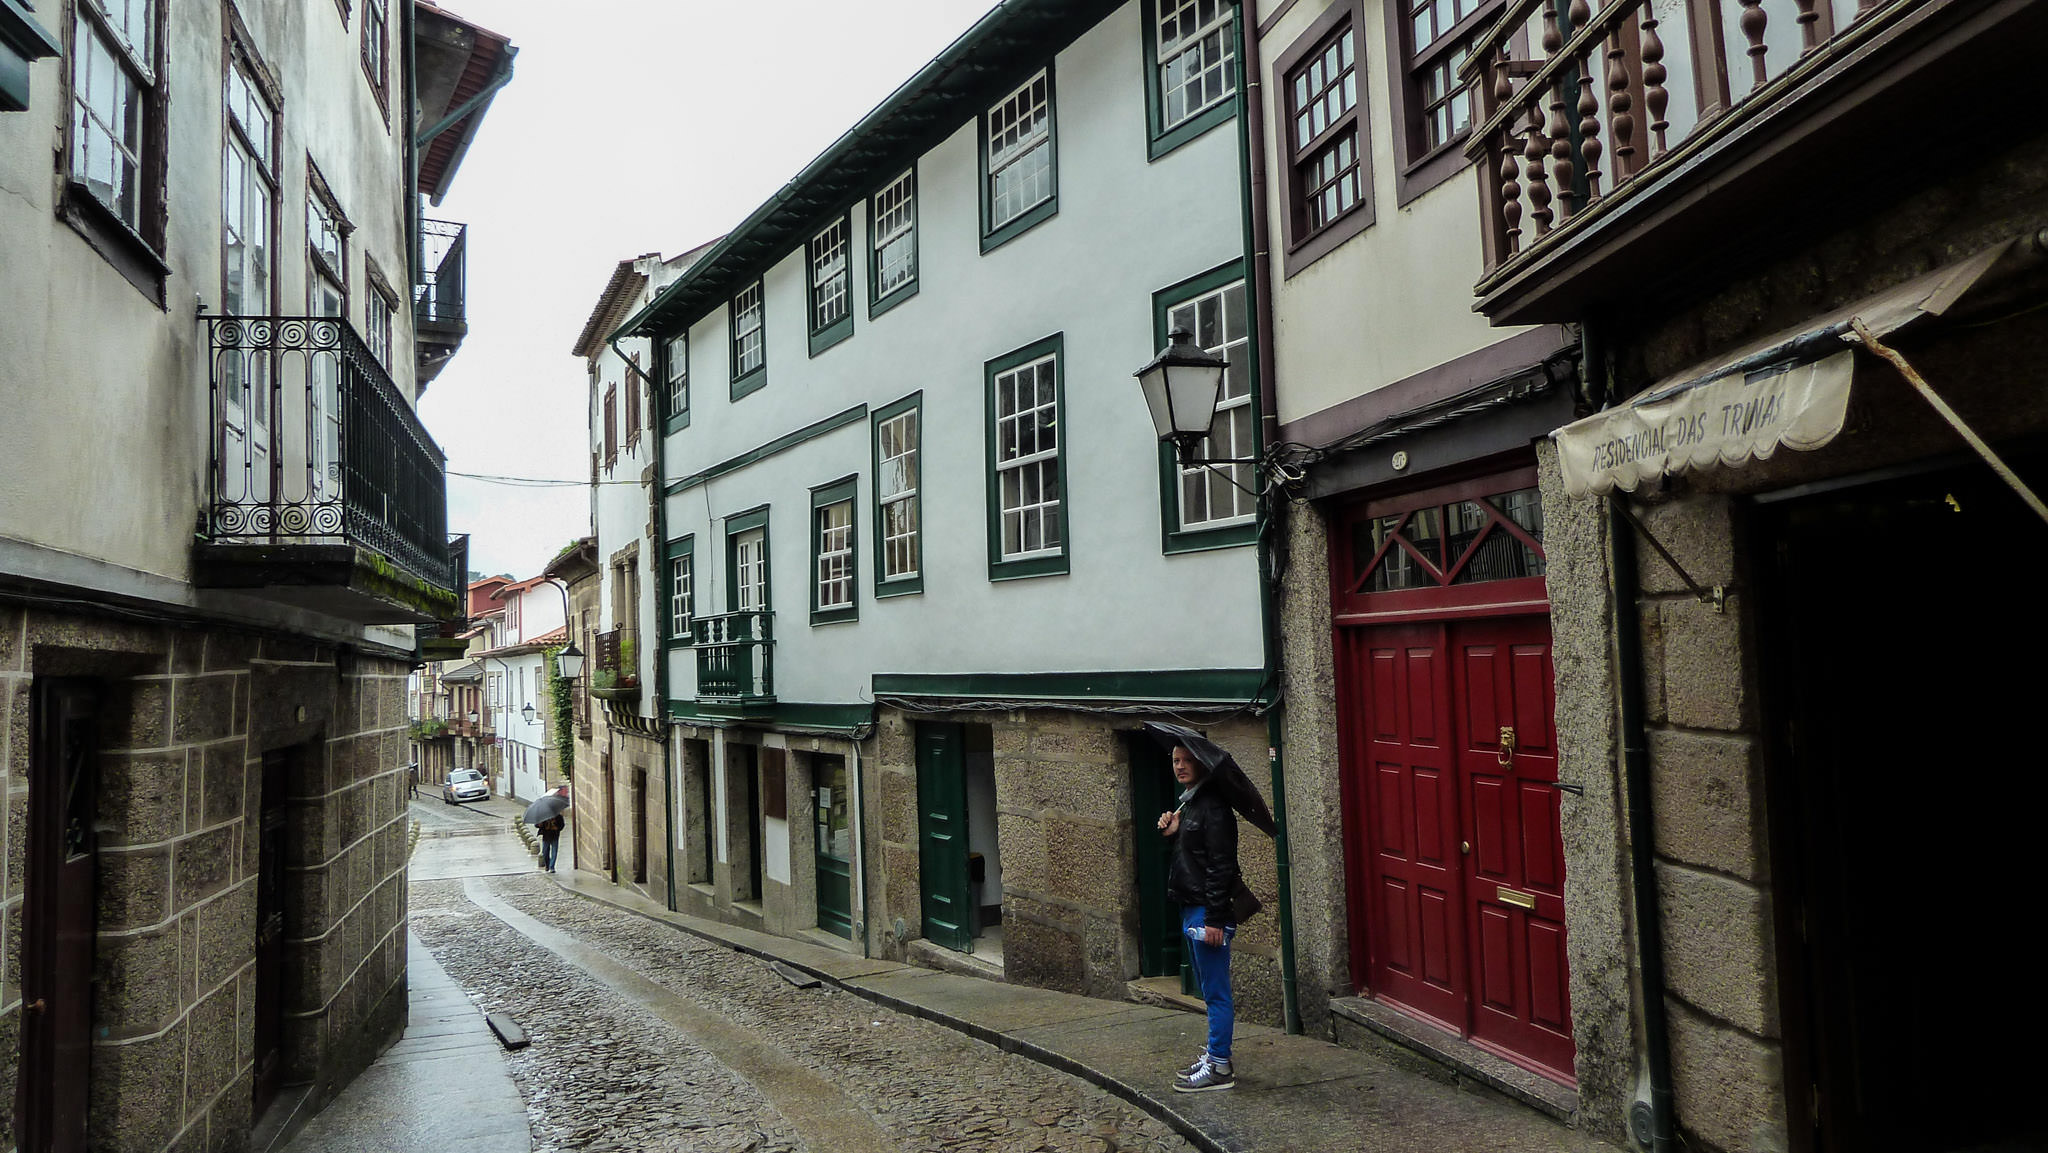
x=427, y=728
x=621, y=683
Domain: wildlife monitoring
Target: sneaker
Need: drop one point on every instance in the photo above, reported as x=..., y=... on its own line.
x=1201, y=1063
x=1212, y=1075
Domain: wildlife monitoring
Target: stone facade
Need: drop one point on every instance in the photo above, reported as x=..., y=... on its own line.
x=1068, y=840
x=189, y=719
x=1705, y=727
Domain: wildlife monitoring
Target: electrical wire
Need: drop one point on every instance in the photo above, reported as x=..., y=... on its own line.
x=538, y=481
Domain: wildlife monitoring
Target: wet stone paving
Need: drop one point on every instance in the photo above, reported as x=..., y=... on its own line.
x=603, y=1073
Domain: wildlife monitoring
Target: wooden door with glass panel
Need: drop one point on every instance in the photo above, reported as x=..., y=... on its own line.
x=1450, y=766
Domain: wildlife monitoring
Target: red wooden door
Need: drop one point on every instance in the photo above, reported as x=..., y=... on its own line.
x=1404, y=784
x=1507, y=769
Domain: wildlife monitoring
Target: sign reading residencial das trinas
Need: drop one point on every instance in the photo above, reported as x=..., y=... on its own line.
x=1726, y=421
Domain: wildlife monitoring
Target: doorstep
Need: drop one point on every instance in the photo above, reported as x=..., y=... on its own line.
x=1162, y=993
x=923, y=951
x=1362, y=1023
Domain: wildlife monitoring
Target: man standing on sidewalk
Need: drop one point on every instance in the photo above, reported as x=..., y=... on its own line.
x=1202, y=880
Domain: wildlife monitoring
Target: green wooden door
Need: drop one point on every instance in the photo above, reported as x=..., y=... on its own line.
x=834, y=850
x=1152, y=793
x=942, y=833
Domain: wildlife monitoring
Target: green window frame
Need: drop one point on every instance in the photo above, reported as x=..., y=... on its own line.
x=675, y=378
x=679, y=592
x=749, y=346
x=1007, y=455
x=899, y=482
x=1006, y=121
x=892, y=224
x=835, y=552
x=735, y=525
x=828, y=284
x=1237, y=531
x=1206, y=42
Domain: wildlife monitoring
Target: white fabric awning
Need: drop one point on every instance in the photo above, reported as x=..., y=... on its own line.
x=1790, y=390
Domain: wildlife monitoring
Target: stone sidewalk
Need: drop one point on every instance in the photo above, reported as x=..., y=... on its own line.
x=443, y=1087
x=1294, y=1094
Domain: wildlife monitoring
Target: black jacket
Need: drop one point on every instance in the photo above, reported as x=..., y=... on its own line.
x=1204, y=870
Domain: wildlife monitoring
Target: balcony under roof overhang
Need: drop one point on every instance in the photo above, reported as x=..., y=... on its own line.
x=1002, y=49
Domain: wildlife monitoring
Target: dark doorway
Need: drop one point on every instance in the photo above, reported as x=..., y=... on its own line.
x=1153, y=792
x=638, y=809
x=832, y=844
x=1900, y=623
x=58, y=919
x=270, y=931
x=743, y=819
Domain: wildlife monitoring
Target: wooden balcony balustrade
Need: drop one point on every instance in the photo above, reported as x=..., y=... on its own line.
x=736, y=658
x=1581, y=106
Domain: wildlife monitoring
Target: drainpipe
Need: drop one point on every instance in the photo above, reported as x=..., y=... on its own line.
x=412, y=167
x=1635, y=765
x=1251, y=142
x=659, y=433
x=860, y=851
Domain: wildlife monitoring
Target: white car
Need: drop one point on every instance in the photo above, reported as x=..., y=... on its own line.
x=465, y=785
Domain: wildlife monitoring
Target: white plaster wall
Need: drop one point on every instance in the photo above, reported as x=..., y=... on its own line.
x=1125, y=229
x=1395, y=299
x=78, y=344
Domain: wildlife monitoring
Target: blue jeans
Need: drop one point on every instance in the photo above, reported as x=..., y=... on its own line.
x=548, y=845
x=1211, y=964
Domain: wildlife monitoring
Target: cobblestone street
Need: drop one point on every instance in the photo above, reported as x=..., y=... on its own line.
x=648, y=1038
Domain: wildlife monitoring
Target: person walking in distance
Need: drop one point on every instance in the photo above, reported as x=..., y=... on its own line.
x=1202, y=880
x=550, y=840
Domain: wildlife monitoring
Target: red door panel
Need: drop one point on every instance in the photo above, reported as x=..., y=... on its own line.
x=1501, y=674
x=1402, y=791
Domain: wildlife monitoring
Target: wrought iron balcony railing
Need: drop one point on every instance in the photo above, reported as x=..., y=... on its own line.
x=314, y=445
x=736, y=657
x=616, y=672
x=1580, y=106
x=439, y=301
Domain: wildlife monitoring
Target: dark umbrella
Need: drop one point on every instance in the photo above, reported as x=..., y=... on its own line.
x=546, y=808
x=1222, y=772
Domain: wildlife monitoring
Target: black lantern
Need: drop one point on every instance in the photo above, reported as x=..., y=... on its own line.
x=527, y=712
x=569, y=662
x=1182, y=386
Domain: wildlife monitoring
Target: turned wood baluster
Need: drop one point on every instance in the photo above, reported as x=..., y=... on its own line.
x=1590, y=147
x=1655, y=98
x=1539, y=193
x=1809, y=25
x=1621, y=120
x=1510, y=170
x=1753, y=22
x=1510, y=192
x=1562, y=170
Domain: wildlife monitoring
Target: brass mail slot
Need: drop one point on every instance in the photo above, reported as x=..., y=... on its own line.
x=1512, y=897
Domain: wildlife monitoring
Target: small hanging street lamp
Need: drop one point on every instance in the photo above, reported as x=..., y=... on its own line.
x=1182, y=386
x=527, y=712
x=569, y=662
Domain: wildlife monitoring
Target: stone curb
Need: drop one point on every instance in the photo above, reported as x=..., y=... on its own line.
x=1114, y=1086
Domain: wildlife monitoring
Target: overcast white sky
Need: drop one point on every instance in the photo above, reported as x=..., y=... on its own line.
x=631, y=126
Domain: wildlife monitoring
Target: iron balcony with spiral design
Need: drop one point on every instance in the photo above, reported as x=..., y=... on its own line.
x=324, y=490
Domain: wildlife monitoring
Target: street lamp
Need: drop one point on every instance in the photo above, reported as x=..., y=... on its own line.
x=569, y=662
x=527, y=712
x=1182, y=386
x=473, y=717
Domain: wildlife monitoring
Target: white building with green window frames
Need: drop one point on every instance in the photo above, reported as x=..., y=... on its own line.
x=926, y=568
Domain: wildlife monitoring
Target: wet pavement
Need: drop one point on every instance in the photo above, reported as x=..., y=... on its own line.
x=656, y=1031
